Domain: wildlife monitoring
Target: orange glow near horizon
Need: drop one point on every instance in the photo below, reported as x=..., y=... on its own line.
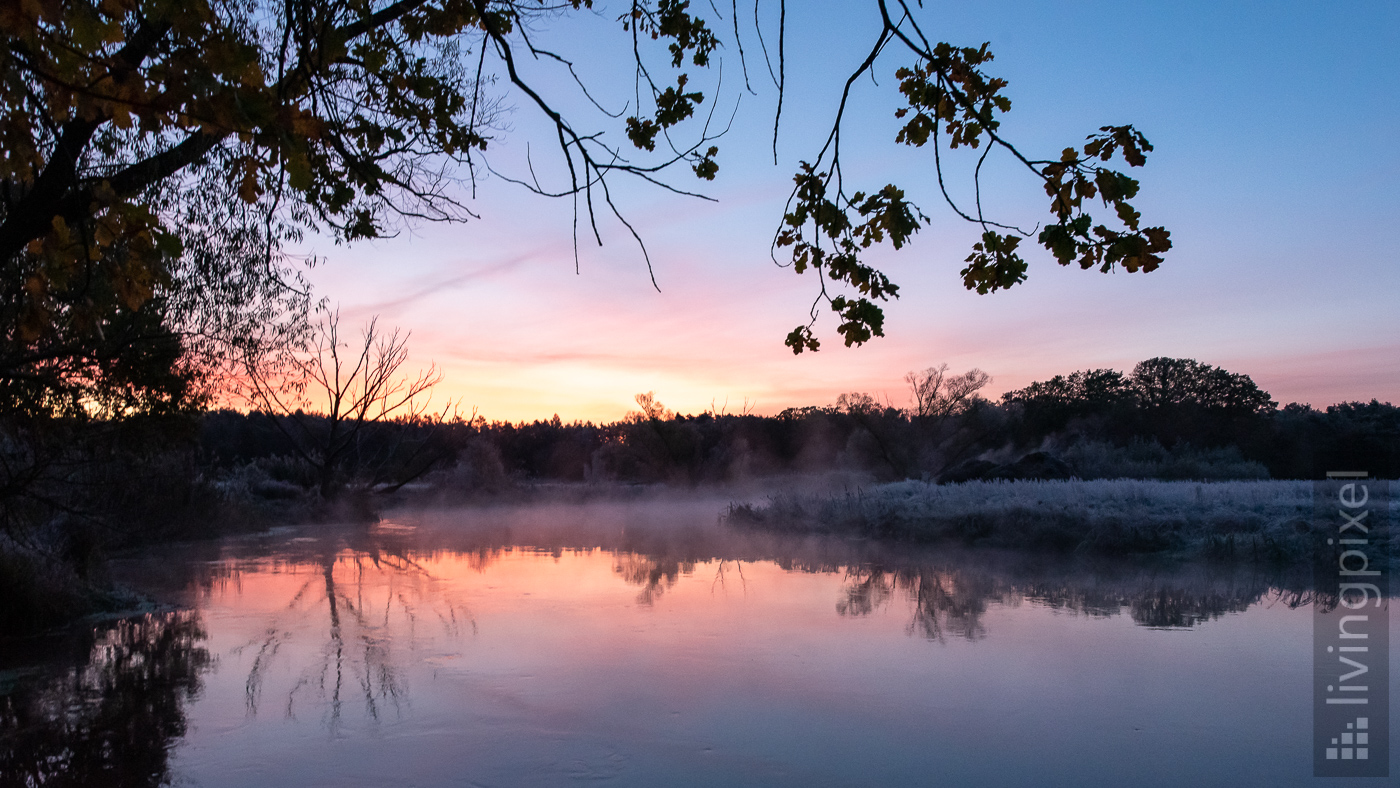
x=1277, y=270
x=583, y=346
x=1297, y=294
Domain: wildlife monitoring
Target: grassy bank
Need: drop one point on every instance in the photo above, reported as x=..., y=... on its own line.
x=1253, y=521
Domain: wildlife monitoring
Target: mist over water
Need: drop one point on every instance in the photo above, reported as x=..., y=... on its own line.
x=648, y=643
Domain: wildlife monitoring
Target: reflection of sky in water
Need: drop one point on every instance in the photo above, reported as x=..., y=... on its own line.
x=449, y=658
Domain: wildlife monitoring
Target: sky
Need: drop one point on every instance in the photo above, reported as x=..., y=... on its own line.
x=1275, y=157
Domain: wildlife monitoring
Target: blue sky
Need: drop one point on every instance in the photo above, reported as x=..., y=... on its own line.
x=1274, y=127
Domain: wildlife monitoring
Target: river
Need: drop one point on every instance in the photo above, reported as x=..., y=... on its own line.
x=646, y=643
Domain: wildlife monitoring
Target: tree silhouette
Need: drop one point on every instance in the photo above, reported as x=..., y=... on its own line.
x=1175, y=382
x=325, y=398
x=937, y=394
x=360, y=116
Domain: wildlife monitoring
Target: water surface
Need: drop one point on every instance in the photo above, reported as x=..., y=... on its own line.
x=645, y=644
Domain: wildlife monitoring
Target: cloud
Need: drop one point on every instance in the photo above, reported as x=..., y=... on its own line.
x=430, y=286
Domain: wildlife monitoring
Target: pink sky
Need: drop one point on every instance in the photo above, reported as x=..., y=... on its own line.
x=1281, y=269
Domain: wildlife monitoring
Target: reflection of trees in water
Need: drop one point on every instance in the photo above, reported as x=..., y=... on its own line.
x=951, y=588
x=1186, y=597
x=1177, y=607
x=943, y=602
x=951, y=599
x=112, y=718
x=374, y=599
x=655, y=574
x=950, y=591
x=722, y=584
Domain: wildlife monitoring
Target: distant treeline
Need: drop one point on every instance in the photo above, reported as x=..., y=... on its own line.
x=74, y=488
x=1167, y=419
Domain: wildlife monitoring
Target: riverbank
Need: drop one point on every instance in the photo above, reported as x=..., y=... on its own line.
x=1264, y=521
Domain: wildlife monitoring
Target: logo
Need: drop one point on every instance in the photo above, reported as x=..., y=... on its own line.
x=1351, y=627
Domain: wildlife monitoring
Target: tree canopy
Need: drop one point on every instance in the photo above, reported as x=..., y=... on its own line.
x=1155, y=383
x=1172, y=399
x=160, y=154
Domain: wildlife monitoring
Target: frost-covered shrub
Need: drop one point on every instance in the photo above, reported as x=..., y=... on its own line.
x=1249, y=520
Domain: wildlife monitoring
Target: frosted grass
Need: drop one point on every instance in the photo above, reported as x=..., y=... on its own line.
x=1252, y=520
